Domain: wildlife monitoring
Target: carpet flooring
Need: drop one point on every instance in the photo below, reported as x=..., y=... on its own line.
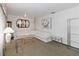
x=35, y=47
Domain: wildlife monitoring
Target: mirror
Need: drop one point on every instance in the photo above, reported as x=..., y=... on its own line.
x=22, y=23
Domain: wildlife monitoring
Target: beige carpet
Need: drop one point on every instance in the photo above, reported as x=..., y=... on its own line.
x=35, y=47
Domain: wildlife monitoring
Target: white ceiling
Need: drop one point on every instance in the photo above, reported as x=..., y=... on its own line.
x=36, y=9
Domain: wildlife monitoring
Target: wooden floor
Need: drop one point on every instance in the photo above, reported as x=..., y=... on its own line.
x=35, y=47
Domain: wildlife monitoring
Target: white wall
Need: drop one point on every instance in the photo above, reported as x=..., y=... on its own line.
x=20, y=31
x=2, y=26
x=59, y=22
x=60, y=26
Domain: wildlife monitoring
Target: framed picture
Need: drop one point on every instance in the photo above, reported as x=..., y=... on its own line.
x=46, y=23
